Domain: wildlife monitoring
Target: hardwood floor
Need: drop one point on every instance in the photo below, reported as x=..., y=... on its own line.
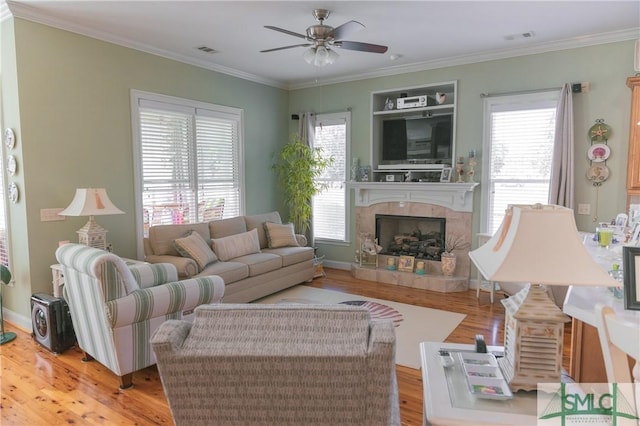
x=40, y=388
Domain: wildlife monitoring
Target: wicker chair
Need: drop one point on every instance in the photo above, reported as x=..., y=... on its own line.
x=279, y=365
x=116, y=307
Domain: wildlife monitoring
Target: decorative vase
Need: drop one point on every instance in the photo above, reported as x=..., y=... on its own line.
x=448, y=264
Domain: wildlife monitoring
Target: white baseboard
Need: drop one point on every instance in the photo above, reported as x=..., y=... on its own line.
x=17, y=319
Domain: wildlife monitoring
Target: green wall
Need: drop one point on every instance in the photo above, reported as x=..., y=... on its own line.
x=73, y=123
x=609, y=98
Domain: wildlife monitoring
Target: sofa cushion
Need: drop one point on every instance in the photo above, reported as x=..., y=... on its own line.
x=237, y=245
x=225, y=227
x=230, y=272
x=257, y=222
x=292, y=255
x=195, y=247
x=280, y=235
x=260, y=263
x=161, y=237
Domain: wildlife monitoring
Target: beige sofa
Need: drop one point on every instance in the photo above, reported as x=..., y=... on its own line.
x=253, y=263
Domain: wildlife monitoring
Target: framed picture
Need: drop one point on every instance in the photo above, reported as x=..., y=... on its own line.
x=445, y=176
x=365, y=173
x=406, y=263
x=631, y=267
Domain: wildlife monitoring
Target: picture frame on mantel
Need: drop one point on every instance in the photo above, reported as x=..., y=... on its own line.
x=406, y=263
x=631, y=267
x=445, y=176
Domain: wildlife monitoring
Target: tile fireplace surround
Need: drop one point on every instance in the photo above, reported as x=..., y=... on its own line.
x=452, y=201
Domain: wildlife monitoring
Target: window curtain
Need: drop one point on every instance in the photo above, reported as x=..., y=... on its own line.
x=561, y=190
x=306, y=131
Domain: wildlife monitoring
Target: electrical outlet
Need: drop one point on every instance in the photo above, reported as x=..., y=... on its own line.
x=584, y=209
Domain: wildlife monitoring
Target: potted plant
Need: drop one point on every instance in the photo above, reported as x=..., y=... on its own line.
x=5, y=279
x=297, y=166
x=452, y=242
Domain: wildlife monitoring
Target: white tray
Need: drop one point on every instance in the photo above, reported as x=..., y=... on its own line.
x=483, y=375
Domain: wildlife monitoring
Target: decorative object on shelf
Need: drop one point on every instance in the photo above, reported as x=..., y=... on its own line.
x=388, y=105
x=460, y=169
x=631, y=281
x=472, y=165
x=421, y=268
x=533, y=321
x=297, y=166
x=91, y=202
x=365, y=173
x=367, y=254
x=14, y=193
x=391, y=264
x=445, y=175
x=355, y=168
x=9, y=138
x=406, y=263
x=5, y=279
x=448, y=258
x=441, y=98
x=12, y=165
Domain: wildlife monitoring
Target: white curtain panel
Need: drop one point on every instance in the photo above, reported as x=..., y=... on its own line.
x=307, y=130
x=561, y=191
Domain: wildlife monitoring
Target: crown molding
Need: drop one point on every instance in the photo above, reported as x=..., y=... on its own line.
x=572, y=43
x=4, y=11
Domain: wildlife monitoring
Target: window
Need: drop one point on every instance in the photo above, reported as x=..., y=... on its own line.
x=517, y=153
x=187, y=157
x=330, y=207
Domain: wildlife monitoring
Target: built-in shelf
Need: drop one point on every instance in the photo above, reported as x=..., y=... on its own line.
x=456, y=196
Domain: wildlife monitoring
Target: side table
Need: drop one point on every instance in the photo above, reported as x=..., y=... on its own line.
x=447, y=400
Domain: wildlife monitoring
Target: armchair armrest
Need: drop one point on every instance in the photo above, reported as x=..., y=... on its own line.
x=164, y=299
x=302, y=240
x=150, y=275
x=382, y=337
x=170, y=336
x=185, y=266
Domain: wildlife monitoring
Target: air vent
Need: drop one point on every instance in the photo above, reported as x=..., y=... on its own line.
x=206, y=49
x=528, y=34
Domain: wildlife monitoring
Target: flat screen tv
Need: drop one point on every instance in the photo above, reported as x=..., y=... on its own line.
x=414, y=142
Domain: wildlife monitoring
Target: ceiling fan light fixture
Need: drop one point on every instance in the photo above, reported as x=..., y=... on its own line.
x=322, y=56
x=309, y=55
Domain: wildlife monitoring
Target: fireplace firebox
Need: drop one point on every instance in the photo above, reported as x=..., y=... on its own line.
x=421, y=237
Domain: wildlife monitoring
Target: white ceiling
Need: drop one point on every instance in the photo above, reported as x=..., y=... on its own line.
x=424, y=34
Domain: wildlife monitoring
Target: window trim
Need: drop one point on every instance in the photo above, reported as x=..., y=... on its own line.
x=526, y=99
x=335, y=117
x=174, y=103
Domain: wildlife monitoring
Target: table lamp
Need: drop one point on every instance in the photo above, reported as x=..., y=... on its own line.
x=540, y=245
x=91, y=202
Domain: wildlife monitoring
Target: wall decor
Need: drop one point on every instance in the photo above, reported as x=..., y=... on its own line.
x=598, y=153
x=631, y=267
x=14, y=193
x=9, y=138
x=12, y=165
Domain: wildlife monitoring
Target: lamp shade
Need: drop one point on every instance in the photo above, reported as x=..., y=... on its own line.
x=539, y=244
x=91, y=202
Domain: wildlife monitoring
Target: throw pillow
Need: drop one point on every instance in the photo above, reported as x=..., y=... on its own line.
x=192, y=245
x=237, y=245
x=280, y=235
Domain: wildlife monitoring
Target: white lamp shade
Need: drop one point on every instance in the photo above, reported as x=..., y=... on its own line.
x=91, y=202
x=540, y=245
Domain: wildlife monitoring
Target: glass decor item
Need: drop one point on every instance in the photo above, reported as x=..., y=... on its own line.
x=355, y=168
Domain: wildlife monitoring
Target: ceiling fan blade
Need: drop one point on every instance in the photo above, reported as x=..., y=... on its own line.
x=282, y=30
x=362, y=47
x=345, y=30
x=287, y=47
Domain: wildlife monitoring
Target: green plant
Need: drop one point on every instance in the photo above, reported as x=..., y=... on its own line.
x=297, y=166
x=5, y=275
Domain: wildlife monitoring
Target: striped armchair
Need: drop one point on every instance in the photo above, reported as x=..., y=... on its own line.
x=116, y=307
x=279, y=365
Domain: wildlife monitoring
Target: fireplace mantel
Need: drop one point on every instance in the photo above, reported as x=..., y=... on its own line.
x=455, y=196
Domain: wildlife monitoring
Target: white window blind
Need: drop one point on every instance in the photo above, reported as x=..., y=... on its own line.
x=330, y=206
x=519, y=152
x=190, y=162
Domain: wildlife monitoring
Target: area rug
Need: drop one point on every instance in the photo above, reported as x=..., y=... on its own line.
x=414, y=324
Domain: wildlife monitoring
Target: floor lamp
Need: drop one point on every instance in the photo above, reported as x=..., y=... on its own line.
x=5, y=279
x=537, y=244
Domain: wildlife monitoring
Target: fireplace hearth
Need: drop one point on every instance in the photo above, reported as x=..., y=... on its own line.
x=421, y=237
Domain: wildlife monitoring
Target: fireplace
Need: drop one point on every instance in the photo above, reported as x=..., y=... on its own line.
x=421, y=237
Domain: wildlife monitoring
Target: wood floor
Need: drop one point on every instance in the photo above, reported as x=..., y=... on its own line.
x=40, y=388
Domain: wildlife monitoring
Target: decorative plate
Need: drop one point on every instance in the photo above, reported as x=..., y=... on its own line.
x=599, y=132
x=598, y=173
x=14, y=193
x=12, y=165
x=9, y=138
x=599, y=152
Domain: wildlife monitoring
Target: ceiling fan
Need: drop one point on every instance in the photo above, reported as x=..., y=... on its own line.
x=321, y=38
